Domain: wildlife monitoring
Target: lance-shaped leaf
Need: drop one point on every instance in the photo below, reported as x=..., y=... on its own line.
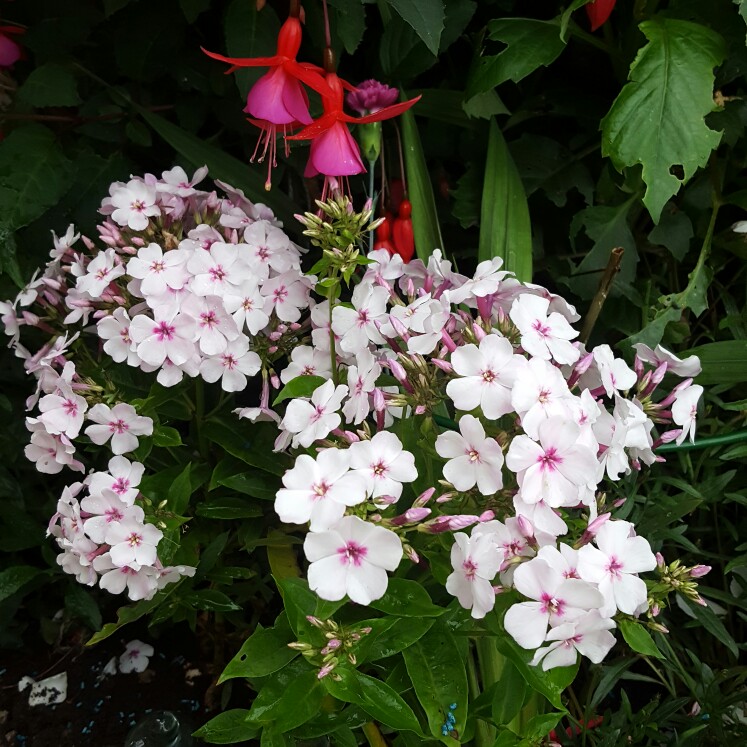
x=425, y=16
x=425, y=224
x=658, y=120
x=505, y=229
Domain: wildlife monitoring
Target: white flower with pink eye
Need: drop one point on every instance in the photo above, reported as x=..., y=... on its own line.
x=136, y=655
x=107, y=508
x=556, y=599
x=122, y=478
x=510, y=541
x=540, y=392
x=50, y=452
x=286, y=295
x=476, y=561
x=134, y=203
x=439, y=313
x=307, y=361
x=115, y=330
x=121, y=424
x=687, y=368
x=318, y=490
x=615, y=373
x=685, y=410
x=214, y=327
x=219, y=271
x=486, y=376
x=63, y=413
x=588, y=634
x=176, y=182
x=543, y=517
x=543, y=335
x=268, y=247
x=168, y=335
x=141, y=583
x=361, y=383
x=309, y=421
x=158, y=271
x=357, y=327
x=612, y=565
x=555, y=469
x=247, y=306
x=352, y=558
x=473, y=458
x=100, y=271
x=133, y=543
x=383, y=463
x=232, y=366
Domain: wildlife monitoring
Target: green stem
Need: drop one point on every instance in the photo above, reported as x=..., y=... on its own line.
x=373, y=735
x=484, y=732
x=704, y=443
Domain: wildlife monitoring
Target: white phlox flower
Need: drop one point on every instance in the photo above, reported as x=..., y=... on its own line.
x=476, y=561
x=544, y=335
x=121, y=424
x=383, y=463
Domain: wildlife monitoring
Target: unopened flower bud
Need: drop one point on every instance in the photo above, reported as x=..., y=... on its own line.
x=423, y=498
x=660, y=562
x=445, y=366
x=698, y=571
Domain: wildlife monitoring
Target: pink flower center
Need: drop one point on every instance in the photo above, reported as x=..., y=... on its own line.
x=379, y=469
x=470, y=569
x=158, y=266
x=308, y=371
x=229, y=361
x=543, y=396
x=217, y=273
x=125, y=335
x=121, y=485
x=552, y=605
x=473, y=454
x=319, y=413
x=164, y=331
x=118, y=426
x=280, y=294
x=134, y=540
x=209, y=319
x=352, y=553
x=542, y=329
x=137, y=206
x=488, y=376
x=549, y=460
x=102, y=274
x=363, y=317
x=247, y=304
x=320, y=489
x=70, y=407
x=263, y=253
x=113, y=514
x=614, y=567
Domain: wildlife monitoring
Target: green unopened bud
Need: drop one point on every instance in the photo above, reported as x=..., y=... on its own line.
x=369, y=136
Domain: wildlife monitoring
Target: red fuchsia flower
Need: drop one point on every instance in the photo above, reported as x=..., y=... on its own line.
x=334, y=152
x=278, y=99
x=10, y=50
x=599, y=11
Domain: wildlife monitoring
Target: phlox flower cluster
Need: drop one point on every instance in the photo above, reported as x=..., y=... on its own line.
x=540, y=424
x=181, y=282
x=104, y=538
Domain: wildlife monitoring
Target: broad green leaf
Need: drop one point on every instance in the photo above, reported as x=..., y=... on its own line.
x=230, y=473
x=653, y=332
x=211, y=600
x=228, y=507
x=397, y=635
x=468, y=196
x=674, y=231
x=263, y=653
x=133, y=612
x=444, y=106
x=350, y=22
x=505, y=230
x=658, y=119
x=405, y=598
x=722, y=362
x=52, y=84
x=274, y=687
x=510, y=694
x=180, y=491
x=540, y=725
x=166, y=436
x=34, y=175
x=292, y=705
x=436, y=665
x=425, y=16
x=222, y=166
x=299, y=601
x=530, y=44
x=13, y=579
x=742, y=7
x=639, y=639
x=228, y=727
x=301, y=386
x=273, y=737
x=425, y=225
x=250, y=33
x=252, y=443
x=565, y=17
x=80, y=603
x=373, y=696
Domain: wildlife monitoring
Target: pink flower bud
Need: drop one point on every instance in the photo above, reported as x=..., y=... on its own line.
x=698, y=571
x=137, y=241
x=486, y=516
x=420, y=410
x=273, y=349
x=660, y=560
x=379, y=403
x=315, y=621
x=596, y=525
x=387, y=500
x=397, y=370
x=445, y=498
x=525, y=527
x=275, y=381
x=445, y=366
x=325, y=670
x=412, y=556
x=423, y=498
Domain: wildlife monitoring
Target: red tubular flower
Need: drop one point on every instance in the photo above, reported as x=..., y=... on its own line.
x=334, y=152
x=278, y=98
x=10, y=50
x=402, y=234
x=599, y=11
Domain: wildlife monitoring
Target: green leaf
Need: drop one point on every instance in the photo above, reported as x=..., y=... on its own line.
x=231, y=473
x=292, y=704
x=52, y=84
x=510, y=694
x=222, y=166
x=505, y=230
x=722, y=362
x=263, y=653
x=708, y=619
x=350, y=18
x=193, y=8
x=81, y=604
x=436, y=665
x=211, y=600
x=251, y=444
x=166, y=436
x=674, y=232
x=540, y=725
x=228, y=727
x=299, y=601
x=250, y=33
x=34, y=175
x=405, y=598
x=639, y=639
x=531, y=44
x=425, y=16
x=658, y=119
x=742, y=7
x=180, y=491
x=425, y=225
x=373, y=696
x=13, y=579
x=301, y=386
x=126, y=615
x=397, y=635
x=228, y=507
